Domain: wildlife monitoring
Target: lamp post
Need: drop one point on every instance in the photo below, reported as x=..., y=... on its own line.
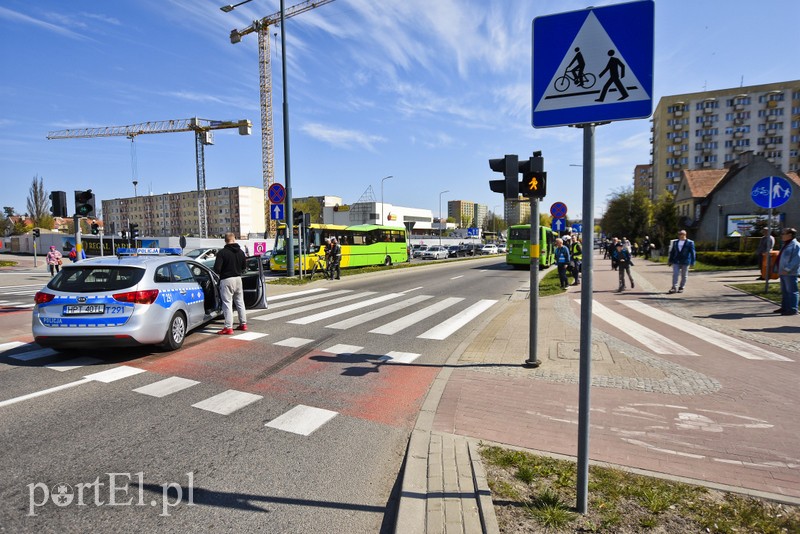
x=494, y=218
x=229, y=8
x=440, y=214
x=383, y=180
x=135, y=183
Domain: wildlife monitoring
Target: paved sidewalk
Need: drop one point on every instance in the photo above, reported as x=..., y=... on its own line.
x=484, y=394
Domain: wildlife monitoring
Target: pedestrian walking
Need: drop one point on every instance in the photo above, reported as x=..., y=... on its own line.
x=623, y=259
x=562, y=262
x=765, y=246
x=73, y=255
x=682, y=255
x=54, y=261
x=611, y=248
x=229, y=265
x=789, y=271
x=336, y=259
x=576, y=256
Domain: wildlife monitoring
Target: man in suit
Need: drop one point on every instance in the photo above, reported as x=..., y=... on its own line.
x=682, y=255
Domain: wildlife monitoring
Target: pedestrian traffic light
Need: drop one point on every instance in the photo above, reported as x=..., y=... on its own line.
x=297, y=217
x=36, y=233
x=534, y=179
x=133, y=230
x=95, y=228
x=58, y=201
x=84, y=203
x=509, y=166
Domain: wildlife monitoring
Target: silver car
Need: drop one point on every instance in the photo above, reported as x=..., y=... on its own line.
x=132, y=300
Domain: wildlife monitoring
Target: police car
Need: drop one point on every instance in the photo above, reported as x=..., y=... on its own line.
x=139, y=297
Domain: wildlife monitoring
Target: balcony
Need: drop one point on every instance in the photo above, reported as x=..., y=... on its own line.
x=708, y=111
x=708, y=137
x=707, y=124
x=706, y=164
x=738, y=122
x=678, y=113
x=772, y=118
x=677, y=127
x=677, y=140
x=707, y=151
x=772, y=133
x=738, y=135
x=772, y=104
x=771, y=146
x=677, y=152
x=676, y=166
x=738, y=107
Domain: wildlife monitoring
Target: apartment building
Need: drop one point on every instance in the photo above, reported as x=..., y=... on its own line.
x=229, y=209
x=467, y=213
x=710, y=129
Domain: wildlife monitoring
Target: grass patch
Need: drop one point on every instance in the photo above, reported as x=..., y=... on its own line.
x=701, y=267
x=537, y=494
x=7, y=263
x=774, y=293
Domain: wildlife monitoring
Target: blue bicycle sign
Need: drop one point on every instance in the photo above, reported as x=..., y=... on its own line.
x=771, y=192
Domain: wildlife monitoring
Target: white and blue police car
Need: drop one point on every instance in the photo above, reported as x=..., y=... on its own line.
x=138, y=297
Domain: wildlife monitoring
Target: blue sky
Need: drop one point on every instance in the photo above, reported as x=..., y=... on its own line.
x=426, y=91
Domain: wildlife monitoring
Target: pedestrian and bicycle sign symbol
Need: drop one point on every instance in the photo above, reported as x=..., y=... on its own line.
x=771, y=192
x=593, y=65
x=276, y=194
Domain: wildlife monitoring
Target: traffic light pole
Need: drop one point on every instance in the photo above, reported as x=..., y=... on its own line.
x=78, y=245
x=533, y=299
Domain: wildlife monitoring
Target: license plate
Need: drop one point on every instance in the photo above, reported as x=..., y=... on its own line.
x=84, y=309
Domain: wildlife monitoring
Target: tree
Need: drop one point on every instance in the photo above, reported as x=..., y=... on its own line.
x=9, y=211
x=629, y=213
x=310, y=205
x=39, y=203
x=665, y=220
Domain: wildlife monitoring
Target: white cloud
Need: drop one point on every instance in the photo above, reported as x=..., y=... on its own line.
x=25, y=19
x=341, y=137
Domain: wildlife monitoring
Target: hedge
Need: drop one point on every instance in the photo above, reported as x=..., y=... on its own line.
x=727, y=258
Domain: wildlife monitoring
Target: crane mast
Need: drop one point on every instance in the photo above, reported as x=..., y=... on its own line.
x=265, y=88
x=203, y=136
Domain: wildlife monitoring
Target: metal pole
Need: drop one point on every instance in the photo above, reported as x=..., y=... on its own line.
x=383, y=220
x=585, y=380
x=34, y=252
x=440, y=214
x=286, y=159
x=769, y=252
x=78, y=245
x=533, y=299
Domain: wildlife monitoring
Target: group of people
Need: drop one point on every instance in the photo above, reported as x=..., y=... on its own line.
x=569, y=258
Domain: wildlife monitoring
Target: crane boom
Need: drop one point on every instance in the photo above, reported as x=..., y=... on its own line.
x=265, y=91
x=202, y=129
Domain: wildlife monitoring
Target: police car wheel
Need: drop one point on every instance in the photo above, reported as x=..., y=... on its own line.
x=176, y=332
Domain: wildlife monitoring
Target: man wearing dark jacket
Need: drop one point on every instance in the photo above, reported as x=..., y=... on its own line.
x=229, y=265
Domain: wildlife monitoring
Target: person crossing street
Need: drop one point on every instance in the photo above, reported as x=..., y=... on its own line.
x=229, y=265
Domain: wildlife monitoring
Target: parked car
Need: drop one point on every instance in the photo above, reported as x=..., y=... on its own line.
x=418, y=250
x=489, y=249
x=501, y=249
x=454, y=251
x=206, y=256
x=436, y=252
x=127, y=300
x=470, y=249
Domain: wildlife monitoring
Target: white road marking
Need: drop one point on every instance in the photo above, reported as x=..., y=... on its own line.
x=297, y=293
x=43, y=392
x=308, y=307
x=227, y=402
x=343, y=349
x=457, y=277
x=650, y=339
x=249, y=336
x=12, y=305
x=293, y=342
x=5, y=347
x=117, y=373
x=399, y=357
x=302, y=420
x=408, y=320
x=165, y=387
x=723, y=341
x=310, y=298
x=374, y=314
x=344, y=309
x=33, y=354
x=412, y=289
x=445, y=329
x=75, y=363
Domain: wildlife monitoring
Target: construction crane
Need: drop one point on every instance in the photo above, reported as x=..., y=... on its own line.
x=265, y=88
x=203, y=136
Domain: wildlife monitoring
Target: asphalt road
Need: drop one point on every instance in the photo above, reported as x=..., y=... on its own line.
x=298, y=426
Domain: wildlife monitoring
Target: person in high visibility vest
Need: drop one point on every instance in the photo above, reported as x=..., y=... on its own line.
x=576, y=255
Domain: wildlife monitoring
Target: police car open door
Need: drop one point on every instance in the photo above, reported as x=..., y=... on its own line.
x=255, y=293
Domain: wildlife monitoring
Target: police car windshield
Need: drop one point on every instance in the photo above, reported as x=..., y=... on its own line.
x=96, y=279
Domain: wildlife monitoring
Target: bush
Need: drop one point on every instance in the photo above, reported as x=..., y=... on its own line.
x=727, y=258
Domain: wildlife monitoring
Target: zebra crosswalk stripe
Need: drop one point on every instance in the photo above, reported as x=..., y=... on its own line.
x=723, y=341
x=380, y=312
x=310, y=298
x=451, y=325
x=309, y=307
x=344, y=309
x=409, y=320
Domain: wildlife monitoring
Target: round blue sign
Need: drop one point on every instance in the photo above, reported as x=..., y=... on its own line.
x=771, y=192
x=276, y=193
x=558, y=210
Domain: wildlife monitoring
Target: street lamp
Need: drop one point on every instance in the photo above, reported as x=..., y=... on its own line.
x=494, y=219
x=229, y=8
x=383, y=180
x=440, y=214
x=135, y=183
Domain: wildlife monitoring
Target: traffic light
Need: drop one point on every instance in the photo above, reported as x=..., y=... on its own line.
x=95, y=228
x=58, y=201
x=298, y=217
x=36, y=233
x=133, y=230
x=534, y=179
x=509, y=166
x=84, y=203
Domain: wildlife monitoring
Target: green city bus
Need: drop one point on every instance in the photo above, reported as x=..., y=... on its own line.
x=362, y=245
x=519, y=242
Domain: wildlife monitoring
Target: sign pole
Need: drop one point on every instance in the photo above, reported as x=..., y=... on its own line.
x=585, y=377
x=768, y=268
x=533, y=300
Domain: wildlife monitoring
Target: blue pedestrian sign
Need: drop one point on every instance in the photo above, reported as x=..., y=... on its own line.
x=577, y=228
x=276, y=212
x=559, y=225
x=276, y=194
x=771, y=192
x=593, y=65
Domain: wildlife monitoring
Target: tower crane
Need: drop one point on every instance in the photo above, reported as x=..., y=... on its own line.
x=265, y=88
x=203, y=136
